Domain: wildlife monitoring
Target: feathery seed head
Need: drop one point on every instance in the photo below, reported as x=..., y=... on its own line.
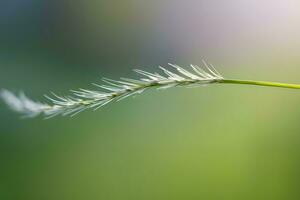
x=112, y=90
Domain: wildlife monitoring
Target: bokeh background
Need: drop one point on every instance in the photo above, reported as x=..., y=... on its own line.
x=215, y=142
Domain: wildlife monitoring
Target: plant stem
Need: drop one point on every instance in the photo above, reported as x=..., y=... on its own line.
x=260, y=83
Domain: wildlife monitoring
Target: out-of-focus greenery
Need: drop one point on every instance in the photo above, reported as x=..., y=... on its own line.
x=215, y=142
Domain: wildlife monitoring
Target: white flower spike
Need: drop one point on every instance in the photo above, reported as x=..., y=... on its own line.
x=113, y=90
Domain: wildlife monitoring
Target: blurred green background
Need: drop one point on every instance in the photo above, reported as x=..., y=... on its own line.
x=214, y=142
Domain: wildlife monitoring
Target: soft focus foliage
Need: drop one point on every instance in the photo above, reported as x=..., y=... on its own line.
x=233, y=142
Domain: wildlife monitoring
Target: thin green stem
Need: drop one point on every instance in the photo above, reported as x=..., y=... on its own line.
x=260, y=83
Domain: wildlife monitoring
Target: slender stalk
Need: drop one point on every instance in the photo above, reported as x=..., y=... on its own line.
x=116, y=90
x=260, y=83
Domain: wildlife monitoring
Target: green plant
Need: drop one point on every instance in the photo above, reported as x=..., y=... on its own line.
x=117, y=90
